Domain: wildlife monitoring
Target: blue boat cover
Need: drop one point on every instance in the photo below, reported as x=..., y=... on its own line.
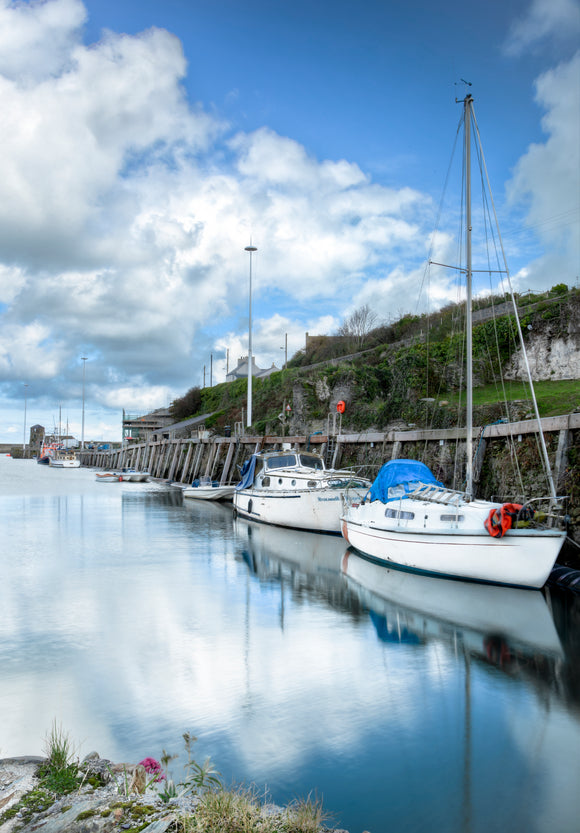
x=247, y=473
x=406, y=473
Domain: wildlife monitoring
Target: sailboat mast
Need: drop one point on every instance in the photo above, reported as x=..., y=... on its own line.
x=468, y=104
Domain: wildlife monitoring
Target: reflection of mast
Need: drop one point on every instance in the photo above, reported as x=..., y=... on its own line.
x=467, y=746
x=247, y=698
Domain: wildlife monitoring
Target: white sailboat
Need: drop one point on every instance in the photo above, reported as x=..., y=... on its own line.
x=410, y=519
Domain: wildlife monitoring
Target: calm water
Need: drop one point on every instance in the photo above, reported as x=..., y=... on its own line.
x=408, y=704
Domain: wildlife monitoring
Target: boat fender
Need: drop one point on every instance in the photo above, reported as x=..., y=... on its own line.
x=504, y=517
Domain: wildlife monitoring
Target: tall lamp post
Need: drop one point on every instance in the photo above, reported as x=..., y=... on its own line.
x=84, y=361
x=24, y=432
x=251, y=250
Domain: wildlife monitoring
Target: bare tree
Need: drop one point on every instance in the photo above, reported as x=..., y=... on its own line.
x=358, y=325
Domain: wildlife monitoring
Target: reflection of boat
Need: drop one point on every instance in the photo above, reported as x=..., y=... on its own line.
x=294, y=489
x=309, y=552
x=412, y=520
x=207, y=489
x=492, y=621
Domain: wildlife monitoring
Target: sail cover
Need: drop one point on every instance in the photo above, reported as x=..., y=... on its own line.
x=398, y=477
x=247, y=473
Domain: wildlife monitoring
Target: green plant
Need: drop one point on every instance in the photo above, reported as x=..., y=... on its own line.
x=59, y=773
x=199, y=778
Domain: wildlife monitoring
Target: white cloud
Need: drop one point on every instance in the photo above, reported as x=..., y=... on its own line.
x=544, y=20
x=125, y=210
x=547, y=178
x=36, y=37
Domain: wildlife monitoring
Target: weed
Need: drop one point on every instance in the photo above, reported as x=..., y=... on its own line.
x=59, y=773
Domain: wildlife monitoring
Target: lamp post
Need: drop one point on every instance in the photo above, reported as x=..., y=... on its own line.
x=84, y=361
x=24, y=432
x=285, y=349
x=251, y=250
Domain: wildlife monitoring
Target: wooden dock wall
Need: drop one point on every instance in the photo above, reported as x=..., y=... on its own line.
x=183, y=460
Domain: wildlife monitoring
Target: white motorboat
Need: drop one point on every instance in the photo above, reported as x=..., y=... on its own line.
x=295, y=489
x=129, y=475
x=206, y=489
x=411, y=519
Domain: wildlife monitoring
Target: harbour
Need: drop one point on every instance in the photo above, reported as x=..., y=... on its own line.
x=131, y=616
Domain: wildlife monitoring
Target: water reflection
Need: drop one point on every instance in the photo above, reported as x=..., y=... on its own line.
x=512, y=630
x=131, y=616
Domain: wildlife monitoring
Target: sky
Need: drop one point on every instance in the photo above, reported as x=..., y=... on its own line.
x=145, y=144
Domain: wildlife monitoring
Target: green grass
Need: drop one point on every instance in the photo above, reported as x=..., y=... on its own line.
x=554, y=398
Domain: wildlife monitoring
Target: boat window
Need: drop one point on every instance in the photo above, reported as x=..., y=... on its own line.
x=293, y=482
x=312, y=484
x=452, y=517
x=280, y=481
x=311, y=461
x=265, y=481
x=282, y=462
x=400, y=514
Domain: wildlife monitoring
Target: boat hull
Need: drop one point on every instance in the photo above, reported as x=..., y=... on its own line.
x=521, y=558
x=209, y=492
x=318, y=510
x=64, y=464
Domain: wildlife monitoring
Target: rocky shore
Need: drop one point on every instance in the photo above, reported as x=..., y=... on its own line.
x=111, y=798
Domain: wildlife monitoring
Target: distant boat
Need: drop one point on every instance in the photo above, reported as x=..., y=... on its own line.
x=64, y=459
x=295, y=489
x=207, y=489
x=411, y=519
x=108, y=477
x=126, y=475
x=129, y=475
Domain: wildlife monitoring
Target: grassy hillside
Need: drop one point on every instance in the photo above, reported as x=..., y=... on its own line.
x=403, y=374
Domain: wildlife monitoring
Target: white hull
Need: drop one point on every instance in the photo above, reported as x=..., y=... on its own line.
x=318, y=510
x=64, y=464
x=209, y=492
x=134, y=476
x=522, y=558
x=108, y=477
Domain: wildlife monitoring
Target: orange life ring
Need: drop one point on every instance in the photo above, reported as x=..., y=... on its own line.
x=341, y=407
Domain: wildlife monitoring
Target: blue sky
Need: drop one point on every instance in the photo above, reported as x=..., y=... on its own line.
x=144, y=143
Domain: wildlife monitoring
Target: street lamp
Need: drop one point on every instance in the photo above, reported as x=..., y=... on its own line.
x=251, y=250
x=24, y=433
x=84, y=360
x=285, y=349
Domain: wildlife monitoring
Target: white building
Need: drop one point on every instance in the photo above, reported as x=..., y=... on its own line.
x=241, y=371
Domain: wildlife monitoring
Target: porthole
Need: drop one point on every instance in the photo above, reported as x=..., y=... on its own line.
x=293, y=482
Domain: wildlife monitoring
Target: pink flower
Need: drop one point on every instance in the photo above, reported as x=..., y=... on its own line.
x=153, y=767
